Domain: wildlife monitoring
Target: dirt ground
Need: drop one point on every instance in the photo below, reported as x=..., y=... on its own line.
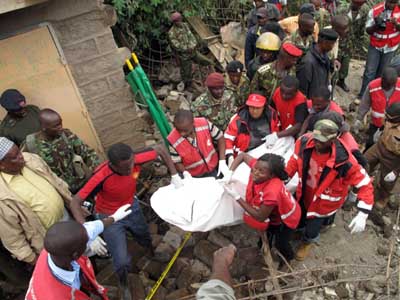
x=341, y=265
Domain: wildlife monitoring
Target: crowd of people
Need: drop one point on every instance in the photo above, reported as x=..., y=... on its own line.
x=60, y=203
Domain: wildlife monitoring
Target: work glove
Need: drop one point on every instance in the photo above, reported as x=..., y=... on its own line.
x=98, y=246
x=121, y=212
x=177, y=181
x=357, y=125
x=223, y=168
x=235, y=195
x=390, y=177
x=358, y=222
x=187, y=175
x=352, y=197
x=271, y=139
x=377, y=135
x=230, y=161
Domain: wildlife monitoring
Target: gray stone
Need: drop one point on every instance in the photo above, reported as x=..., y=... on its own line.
x=164, y=91
x=218, y=239
x=156, y=240
x=342, y=292
x=75, y=53
x=383, y=250
x=163, y=252
x=199, y=268
x=136, y=286
x=151, y=267
x=106, y=43
x=187, y=277
x=204, y=251
x=173, y=239
x=386, y=220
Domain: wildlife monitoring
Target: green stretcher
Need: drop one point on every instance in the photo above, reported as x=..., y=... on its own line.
x=145, y=97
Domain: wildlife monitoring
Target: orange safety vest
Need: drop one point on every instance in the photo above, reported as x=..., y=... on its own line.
x=197, y=160
x=379, y=103
x=390, y=36
x=45, y=286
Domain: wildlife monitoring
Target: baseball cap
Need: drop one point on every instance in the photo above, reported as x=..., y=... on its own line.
x=11, y=100
x=325, y=130
x=256, y=100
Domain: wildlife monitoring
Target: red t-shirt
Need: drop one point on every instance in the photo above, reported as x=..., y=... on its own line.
x=267, y=193
x=111, y=189
x=291, y=111
x=317, y=164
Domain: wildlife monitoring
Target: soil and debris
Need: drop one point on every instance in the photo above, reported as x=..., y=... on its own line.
x=341, y=266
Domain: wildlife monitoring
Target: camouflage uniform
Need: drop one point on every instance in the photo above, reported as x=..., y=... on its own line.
x=240, y=91
x=267, y=79
x=296, y=39
x=184, y=43
x=322, y=17
x=59, y=156
x=218, y=111
x=355, y=38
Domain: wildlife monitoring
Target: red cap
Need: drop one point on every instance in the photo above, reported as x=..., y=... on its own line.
x=256, y=100
x=292, y=49
x=175, y=17
x=215, y=80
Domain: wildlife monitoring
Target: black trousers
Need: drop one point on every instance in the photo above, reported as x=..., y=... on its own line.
x=280, y=236
x=370, y=136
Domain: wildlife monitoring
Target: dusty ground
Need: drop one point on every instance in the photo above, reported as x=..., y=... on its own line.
x=341, y=265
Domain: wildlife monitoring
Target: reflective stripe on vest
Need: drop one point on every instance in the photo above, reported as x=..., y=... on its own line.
x=329, y=198
x=386, y=36
x=200, y=162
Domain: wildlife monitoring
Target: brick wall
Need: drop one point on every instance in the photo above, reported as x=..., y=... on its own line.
x=83, y=30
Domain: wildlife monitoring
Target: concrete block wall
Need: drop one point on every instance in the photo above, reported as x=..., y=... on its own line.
x=83, y=30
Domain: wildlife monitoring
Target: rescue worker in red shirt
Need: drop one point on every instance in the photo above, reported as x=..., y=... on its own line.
x=380, y=94
x=268, y=204
x=320, y=102
x=62, y=270
x=114, y=184
x=192, y=146
x=326, y=170
x=250, y=126
x=291, y=105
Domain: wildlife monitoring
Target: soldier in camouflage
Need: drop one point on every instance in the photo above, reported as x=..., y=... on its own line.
x=217, y=104
x=321, y=15
x=185, y=44
x=303, y=38
x=59, y=148
x=357, y=12
x=238, y=82
x=269, y=76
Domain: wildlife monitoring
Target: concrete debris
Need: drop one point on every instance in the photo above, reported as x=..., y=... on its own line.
x=163, y=252
x=169, y=73
x=173, y=239
x=218, y=239
x=204, y=251
x=164, y=91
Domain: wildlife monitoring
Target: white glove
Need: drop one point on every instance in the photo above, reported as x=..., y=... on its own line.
x=230, y=161
x=121, y=212
x=235, y=195
x=271, y=139
x=177, y=181
x=390, y=177
x=358, y=222
x=98, y=246
x=223, y=168
x=352, y=197
x=377, y=135
x=357, y=125
x=187, y=175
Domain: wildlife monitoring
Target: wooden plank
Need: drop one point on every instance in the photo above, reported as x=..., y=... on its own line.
x=10, y=5
x=213, y=43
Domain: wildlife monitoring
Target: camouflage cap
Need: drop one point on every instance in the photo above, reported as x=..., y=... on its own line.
x=325, y=130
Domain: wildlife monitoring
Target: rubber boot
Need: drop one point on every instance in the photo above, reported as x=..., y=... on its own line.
x=124, y=288
x=303, y=251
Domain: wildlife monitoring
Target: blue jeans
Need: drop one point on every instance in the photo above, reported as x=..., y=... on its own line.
x=376, y=62
x=115, y=237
